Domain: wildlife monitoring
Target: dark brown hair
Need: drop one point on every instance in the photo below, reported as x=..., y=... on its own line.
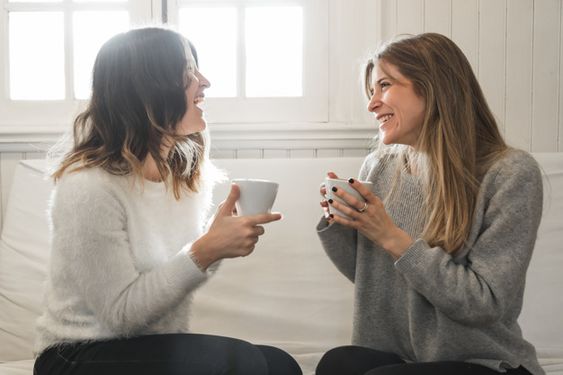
x=138, y=98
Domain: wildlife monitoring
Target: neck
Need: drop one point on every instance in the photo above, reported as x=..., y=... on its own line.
x=150, y=171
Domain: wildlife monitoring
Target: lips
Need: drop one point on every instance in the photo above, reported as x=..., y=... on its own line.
x=199, y=102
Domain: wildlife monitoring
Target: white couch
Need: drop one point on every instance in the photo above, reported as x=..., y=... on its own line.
x=287, y=293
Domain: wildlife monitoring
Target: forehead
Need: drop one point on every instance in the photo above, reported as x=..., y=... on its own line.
x=383, y=69
x=191, y=63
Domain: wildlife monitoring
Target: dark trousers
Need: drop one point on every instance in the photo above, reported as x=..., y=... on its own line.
x=356, y=360
x=170, y=354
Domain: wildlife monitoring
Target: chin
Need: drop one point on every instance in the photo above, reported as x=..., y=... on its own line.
x=386, y=139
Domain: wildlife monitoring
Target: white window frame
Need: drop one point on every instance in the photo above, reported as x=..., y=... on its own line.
x=312, y=107
x=52, y=116
x=30, y=121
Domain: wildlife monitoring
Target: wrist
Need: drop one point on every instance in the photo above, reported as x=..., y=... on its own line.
x=397, y=243
x=200, y=255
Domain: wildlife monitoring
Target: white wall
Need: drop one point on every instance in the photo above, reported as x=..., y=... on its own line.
x=513, y=45
x=515, y=49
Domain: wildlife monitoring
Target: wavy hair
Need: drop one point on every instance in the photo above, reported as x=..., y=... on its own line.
x=459, y=138
x=138, y=98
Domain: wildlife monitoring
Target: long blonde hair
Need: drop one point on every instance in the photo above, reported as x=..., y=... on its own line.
x=138, y=98
x=459, y=138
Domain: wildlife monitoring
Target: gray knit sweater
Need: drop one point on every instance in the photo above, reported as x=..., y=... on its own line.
x=430, y=305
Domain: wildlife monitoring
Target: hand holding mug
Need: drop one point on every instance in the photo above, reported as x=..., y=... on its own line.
x=365, y=212
x=230, y=236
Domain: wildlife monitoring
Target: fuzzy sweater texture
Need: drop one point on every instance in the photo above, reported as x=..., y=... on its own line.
x=119, y=264
x=433, y=306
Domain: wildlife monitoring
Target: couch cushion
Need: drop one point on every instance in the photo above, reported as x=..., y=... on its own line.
x=23, y=258
x=24, y=367
x=287, y=293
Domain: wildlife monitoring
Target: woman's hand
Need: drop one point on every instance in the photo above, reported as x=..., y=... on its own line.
x=371, y=219
x=324, y=202
x=230, y=236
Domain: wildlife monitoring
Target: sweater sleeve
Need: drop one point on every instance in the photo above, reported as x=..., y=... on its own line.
x=92, y=251
x=490, y=284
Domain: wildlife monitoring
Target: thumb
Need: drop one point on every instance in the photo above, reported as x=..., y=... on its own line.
x=229, y=204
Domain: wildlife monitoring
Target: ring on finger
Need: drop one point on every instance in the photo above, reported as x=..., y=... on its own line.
x=360, y=210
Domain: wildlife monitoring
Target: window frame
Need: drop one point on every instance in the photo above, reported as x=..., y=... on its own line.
x=52, y=116
x=312, y=107
x=55, y=116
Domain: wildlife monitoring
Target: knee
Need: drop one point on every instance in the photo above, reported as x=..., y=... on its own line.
x=245, y=359
x=279, y=361
x=334, y=362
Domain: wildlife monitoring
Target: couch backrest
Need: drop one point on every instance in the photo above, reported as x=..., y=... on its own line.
x=24, y=250
x=287, y=292
x=542, y=314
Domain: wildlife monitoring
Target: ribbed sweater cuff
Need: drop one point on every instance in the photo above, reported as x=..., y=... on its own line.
x=413, y=258
x=185, y=271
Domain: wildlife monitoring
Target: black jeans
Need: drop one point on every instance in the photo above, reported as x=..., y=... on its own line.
x=356, y=360
x=170, y=354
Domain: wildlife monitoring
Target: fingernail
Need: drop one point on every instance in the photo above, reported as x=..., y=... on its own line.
x=330, y=201
x=334, y=188
x=351, y=180
x=331, y=216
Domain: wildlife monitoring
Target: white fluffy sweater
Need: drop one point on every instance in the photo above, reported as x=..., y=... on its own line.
x=119, y=263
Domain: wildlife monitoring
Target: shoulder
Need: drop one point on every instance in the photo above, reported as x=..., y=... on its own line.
x=89, y=186
x=516, y=175
x=516, y=165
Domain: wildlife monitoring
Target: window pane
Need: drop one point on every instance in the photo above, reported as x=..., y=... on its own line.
x=213, y=31
x=36, y=58
x=274, y=51
x=88, y=38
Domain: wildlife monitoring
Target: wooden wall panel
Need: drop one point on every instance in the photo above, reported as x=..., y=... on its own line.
x=545, y=75
x=519, y=57
x=411, y=20
x=516, y=50
x=438, y=16
x=465, y=29
x=492, y=55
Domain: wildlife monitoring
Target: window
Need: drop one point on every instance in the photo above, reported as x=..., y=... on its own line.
x=266, y=59
x=48, y=48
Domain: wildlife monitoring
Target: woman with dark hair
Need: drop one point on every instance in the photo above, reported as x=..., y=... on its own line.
x=129, y=241
x=438, y=249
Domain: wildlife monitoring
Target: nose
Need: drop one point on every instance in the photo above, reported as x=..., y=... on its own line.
x=203, y=81
x=374, y=102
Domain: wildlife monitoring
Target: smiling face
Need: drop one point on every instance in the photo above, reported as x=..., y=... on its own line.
x=193, y=120
x=399, y=110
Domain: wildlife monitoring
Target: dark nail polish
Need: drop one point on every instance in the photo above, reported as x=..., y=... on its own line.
x=334, y=188
x=331, y=216
x=351, y=180
x=330, y=201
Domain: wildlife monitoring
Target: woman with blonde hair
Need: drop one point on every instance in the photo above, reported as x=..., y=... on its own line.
x=438, y=249
x=129, y=239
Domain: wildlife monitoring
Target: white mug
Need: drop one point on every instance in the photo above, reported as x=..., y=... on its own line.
x=343, y=185
x=256, y=196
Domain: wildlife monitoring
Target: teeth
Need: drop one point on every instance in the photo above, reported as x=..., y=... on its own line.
x=385, y=118
x=199, y=102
